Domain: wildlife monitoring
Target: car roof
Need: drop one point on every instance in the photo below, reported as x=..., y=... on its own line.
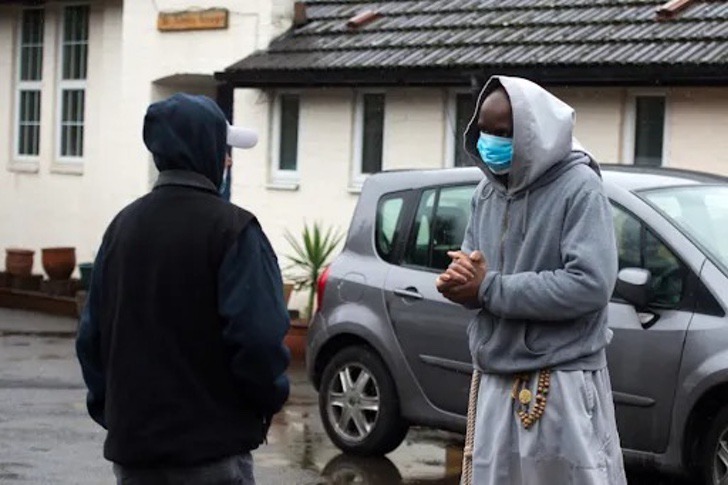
x=627, y=177
x=635, y=179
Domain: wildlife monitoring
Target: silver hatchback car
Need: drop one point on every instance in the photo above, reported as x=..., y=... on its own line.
x=387, y=351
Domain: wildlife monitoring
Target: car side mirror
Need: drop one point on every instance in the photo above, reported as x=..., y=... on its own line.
x=634, y=286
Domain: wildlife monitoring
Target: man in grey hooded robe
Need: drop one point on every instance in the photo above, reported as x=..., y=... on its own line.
x=539, y=261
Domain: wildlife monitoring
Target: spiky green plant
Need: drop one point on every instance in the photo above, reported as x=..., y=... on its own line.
x=310, y=256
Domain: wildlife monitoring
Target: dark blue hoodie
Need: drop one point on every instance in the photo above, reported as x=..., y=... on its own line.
x=181, y=340
x=187, y=132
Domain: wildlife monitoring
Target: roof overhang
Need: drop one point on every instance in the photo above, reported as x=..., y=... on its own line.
x=584, y=75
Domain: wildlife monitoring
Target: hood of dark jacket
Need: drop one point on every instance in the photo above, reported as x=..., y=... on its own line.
x=186, y=132
x=543, y=141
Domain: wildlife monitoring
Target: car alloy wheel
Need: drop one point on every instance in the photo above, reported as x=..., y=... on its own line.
x=720, y=460
x=353, y=402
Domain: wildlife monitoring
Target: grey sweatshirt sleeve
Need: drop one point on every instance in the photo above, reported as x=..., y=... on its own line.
x=468, y=245
x=582, y=286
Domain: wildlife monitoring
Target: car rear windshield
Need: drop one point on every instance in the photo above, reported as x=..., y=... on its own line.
x=700, y=212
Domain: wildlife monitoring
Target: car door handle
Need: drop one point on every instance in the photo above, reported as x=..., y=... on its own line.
x=409, y=292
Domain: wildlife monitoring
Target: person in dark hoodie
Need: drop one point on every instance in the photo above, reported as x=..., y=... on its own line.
x=181, y=341
x=539, y=261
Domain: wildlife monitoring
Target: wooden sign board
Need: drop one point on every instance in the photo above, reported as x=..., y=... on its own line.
x=210, y=19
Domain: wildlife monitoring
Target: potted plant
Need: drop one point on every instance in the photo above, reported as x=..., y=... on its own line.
x=310, y=256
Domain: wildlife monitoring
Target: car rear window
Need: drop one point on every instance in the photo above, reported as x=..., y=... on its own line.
x=389, y=214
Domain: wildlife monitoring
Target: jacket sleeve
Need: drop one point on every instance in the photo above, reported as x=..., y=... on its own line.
x=256, y=319
x=88, y=346
x=583, y=285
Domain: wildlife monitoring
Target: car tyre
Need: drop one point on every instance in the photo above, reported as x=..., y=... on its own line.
x=714, y=450
x=359, y=404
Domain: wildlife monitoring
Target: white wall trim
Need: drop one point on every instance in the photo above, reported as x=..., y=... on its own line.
x=18, y=162
x=67, y=168
x=282, y=179
x=357, y=178
x=630, y=115
x=24, y=166
x=60, y=162
x=451, y=137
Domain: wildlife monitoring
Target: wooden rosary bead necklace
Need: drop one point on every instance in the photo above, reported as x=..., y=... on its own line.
x=524, y=397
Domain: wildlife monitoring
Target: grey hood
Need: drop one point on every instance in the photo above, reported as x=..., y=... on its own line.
x=543, y=141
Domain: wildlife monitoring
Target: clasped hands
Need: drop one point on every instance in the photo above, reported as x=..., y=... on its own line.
x=460, y=283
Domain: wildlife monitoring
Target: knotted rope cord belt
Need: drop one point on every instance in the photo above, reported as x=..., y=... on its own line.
x=523, y=397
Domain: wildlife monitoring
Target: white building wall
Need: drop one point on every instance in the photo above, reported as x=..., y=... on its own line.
x=599, y=114
x=324, y=161
x=414, y=129
x=698, y=128
x=40, y=205
x=127, y=54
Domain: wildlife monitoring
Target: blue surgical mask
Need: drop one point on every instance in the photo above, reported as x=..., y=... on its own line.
x=496, y=152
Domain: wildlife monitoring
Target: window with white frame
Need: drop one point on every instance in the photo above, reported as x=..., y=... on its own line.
x=72, y=82
x=286, y=159
x=647, y=130
x=29, y=83
x=460, y=112
x=369, y=136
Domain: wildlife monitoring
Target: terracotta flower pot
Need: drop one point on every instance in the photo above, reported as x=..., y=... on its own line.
x=296, y=340
x=19, y=262
x=59, y=263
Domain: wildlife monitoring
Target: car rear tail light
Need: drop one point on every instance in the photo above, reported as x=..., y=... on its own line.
x=321, y=287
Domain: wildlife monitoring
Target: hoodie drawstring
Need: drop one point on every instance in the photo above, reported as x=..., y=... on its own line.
x=524, y=227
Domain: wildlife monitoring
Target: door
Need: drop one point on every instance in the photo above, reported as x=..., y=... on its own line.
x=645, y=354
x=432, y=331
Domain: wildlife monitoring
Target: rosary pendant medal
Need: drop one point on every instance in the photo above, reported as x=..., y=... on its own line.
x=525, y=396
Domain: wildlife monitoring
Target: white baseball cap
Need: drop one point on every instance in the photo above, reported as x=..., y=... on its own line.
x=239, y=137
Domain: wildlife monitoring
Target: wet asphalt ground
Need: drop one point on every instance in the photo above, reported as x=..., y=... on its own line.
x=47, y=438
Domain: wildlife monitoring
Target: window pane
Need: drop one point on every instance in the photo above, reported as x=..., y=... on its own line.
x=72, y=122
x=75, y=42
x=451, y=219
x=464, y=107
x=639, y=248
x=649, y=130
x=29, y=123
x=389, y=215
x=418, y=249
x=628, y=232
x=288, y=155
x=701, y=212
x=372, y=133
x=31, y=45
x=668, y=273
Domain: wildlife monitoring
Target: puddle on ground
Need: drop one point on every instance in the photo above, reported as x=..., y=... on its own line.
x=297, y=439
x=7, y=473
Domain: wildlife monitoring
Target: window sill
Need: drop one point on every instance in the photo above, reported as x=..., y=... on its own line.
x=24, y=167
x=288, y=186
x=67, y=168
x=354, y=189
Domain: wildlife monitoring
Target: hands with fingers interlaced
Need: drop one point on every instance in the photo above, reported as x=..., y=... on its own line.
x=460, y=283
